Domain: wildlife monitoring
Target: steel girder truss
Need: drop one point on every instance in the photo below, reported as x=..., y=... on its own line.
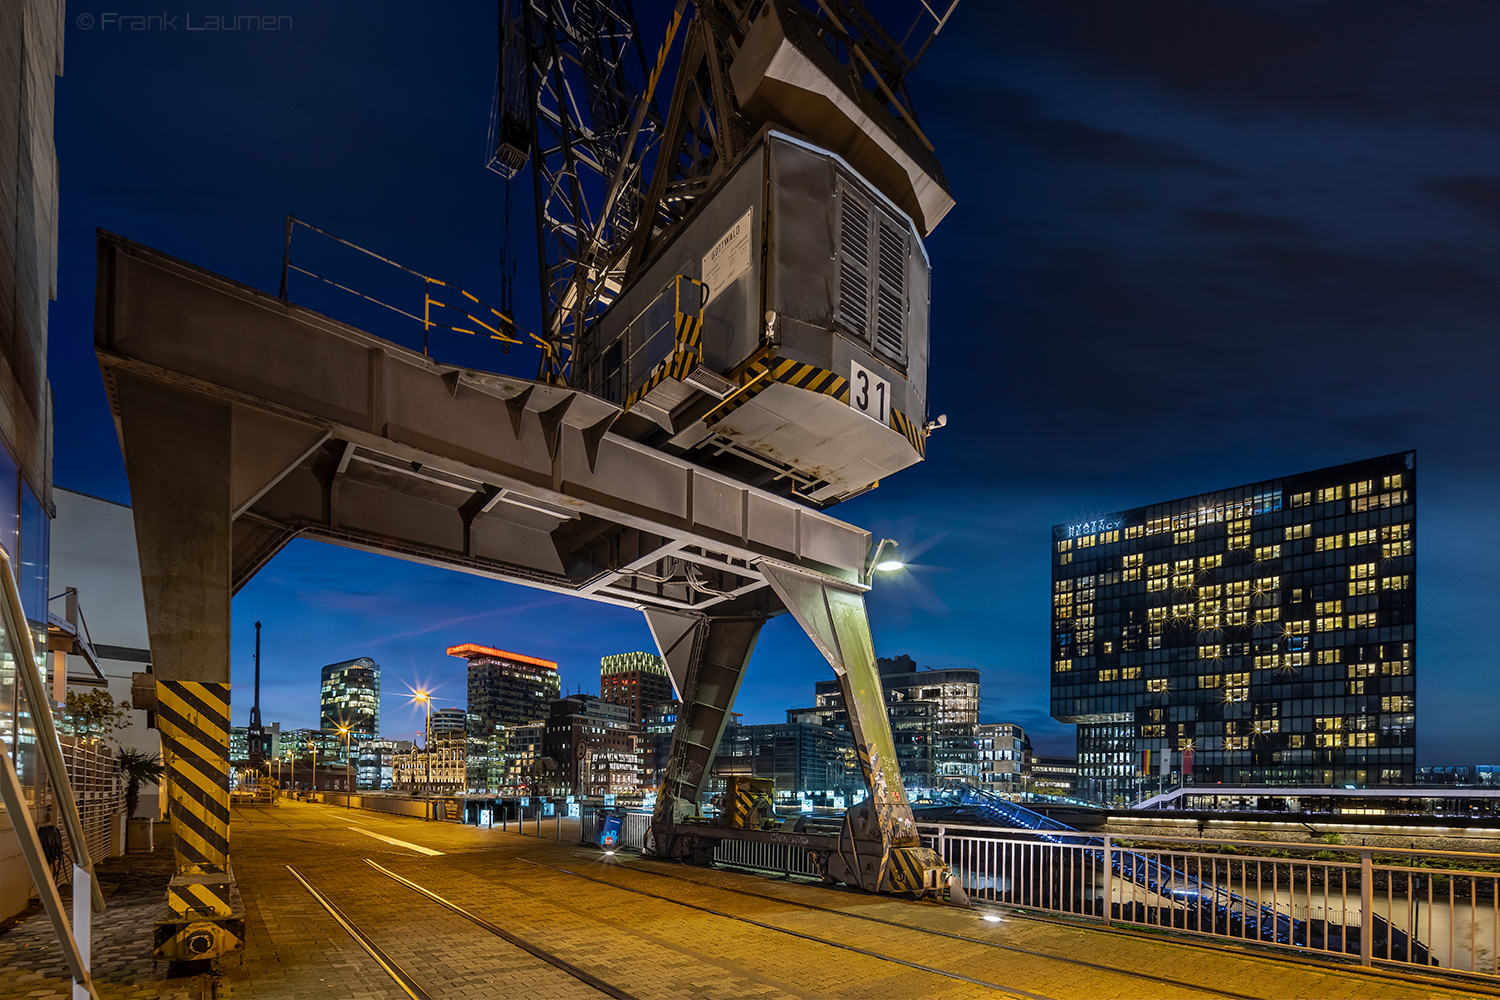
x=706, y=129
x=611, y=180
x=593, y=126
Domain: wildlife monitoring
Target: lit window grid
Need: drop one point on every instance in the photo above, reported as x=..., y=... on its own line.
x=1124, y=646
x=350, y=696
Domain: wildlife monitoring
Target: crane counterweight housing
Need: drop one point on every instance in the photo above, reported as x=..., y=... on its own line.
x=780, y=333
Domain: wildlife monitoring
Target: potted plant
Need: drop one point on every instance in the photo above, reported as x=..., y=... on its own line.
x=138, y=767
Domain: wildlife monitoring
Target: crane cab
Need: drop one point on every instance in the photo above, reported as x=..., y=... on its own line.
x=781, y=334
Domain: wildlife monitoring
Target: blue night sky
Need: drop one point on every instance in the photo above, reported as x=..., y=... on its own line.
x=1196, y=245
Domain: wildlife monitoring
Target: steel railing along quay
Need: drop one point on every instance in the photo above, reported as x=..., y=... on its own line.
x=1406, y=907
x=786, y=858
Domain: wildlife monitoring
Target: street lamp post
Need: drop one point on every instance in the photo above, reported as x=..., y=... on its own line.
x=426, y=699
x=348, y=785
x=314, y=747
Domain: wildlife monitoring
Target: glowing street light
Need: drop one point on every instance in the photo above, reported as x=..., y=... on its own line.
x=426, y=698
x=348, y=787
x=889, y=564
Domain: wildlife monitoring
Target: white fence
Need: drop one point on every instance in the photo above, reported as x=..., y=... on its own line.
x=99, y=790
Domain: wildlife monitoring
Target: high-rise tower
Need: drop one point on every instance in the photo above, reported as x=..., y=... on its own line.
x=635, y=680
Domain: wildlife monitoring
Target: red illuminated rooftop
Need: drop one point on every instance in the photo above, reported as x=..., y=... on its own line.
x=473, y=651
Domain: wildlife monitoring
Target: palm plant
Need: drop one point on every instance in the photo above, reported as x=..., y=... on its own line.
x=138, y=767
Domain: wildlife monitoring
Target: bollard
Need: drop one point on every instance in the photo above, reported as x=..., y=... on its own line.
x=1367, y=909
x=1109, y=884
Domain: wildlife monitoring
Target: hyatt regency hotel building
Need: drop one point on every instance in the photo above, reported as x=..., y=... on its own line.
x=1264, y=634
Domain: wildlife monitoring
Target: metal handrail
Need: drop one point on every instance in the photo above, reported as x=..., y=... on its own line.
x=19, y=636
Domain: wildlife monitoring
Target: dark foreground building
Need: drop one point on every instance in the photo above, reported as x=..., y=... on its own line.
x=1260, y=634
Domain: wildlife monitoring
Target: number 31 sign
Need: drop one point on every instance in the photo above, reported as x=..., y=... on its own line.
x=869, y=393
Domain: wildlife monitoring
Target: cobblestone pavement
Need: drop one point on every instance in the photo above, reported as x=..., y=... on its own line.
x=134, y=887
x=644, y=946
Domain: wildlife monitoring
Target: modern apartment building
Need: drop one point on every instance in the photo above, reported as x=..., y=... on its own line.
x=1264, y=633
x=635, y=680
x=1002, y=750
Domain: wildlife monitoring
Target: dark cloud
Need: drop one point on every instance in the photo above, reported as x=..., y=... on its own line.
x=1013, y=117
x=1371, y=59
x=1074, y=140
x=1482, y=194
x=1242, y=224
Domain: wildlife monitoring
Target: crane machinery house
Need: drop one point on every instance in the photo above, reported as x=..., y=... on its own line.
x=780, y=331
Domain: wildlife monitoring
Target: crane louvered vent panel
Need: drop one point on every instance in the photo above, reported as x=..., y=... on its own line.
x=872, y=276
x=854, y=266
x=890, y=292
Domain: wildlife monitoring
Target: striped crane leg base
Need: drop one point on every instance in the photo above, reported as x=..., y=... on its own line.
x=194, y=721
x=203, y=917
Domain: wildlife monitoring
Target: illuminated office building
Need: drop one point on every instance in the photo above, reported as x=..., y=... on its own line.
x=506, y=689
x=933, y=715
x=1261, y=634
x=351, y=697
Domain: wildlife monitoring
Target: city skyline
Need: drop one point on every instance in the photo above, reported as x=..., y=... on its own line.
x=1193, y=246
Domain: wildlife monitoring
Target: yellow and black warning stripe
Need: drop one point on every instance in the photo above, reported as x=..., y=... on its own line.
x=194, y=721
x=689, y=345
x=913, y=432
x=797, y=374
x=206, y=899
x=739, y=809
x=866, y=768
x=906, y=870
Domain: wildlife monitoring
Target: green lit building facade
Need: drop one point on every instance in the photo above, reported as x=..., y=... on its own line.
x=1264, y=634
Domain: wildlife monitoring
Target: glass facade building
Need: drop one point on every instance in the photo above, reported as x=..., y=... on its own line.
x=797, y=757
x=1264, y=634
x=351, y=697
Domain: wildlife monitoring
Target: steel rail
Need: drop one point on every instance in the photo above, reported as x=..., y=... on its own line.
x=1014, y=991
x=406, y=982
x=500, y=932
x=948, y=934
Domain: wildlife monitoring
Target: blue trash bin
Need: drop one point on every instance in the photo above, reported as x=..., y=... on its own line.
x=610, y=822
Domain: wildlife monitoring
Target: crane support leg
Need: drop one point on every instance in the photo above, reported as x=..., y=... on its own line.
x=878, y=848
x=189, y=458
x=706, y=656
